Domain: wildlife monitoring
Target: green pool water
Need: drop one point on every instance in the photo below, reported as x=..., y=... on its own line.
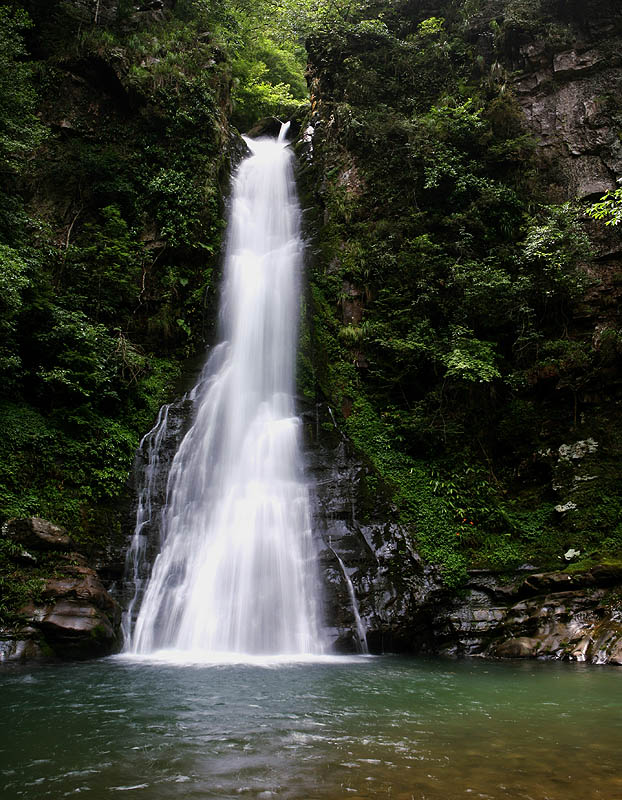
x=381, y=727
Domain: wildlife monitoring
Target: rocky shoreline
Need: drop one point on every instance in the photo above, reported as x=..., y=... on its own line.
x=70, y=615
x=545, y=615
x=404, y=606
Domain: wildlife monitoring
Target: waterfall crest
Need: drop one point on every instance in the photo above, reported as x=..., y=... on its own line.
x=236, y=570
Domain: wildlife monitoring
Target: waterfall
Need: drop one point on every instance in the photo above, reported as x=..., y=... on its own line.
x=236, y=568
x=361, y=632
x=136, y=560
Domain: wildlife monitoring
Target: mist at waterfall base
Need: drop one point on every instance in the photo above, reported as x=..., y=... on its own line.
x=235, y=576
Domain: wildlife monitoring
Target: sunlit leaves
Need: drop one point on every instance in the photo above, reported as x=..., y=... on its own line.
x=608, y=208
x=471, y=359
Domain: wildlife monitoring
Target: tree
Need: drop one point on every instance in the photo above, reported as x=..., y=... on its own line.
x=608, y=208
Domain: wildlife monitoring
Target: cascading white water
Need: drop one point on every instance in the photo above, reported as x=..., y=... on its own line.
x=137, y=555
x=361, y=632
x=236, y=571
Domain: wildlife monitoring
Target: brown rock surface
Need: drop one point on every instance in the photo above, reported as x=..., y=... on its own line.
x=38, y=534
x=523, y=647
x=556, y=615
x=72, y=616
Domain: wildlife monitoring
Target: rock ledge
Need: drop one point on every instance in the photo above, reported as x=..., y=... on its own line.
x=72, y=616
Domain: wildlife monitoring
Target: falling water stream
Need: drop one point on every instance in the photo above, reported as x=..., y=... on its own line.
x=199, y=706
x=361, y=633
x=235, y=573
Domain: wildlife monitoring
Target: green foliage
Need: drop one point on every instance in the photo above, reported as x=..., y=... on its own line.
x=608, y=208
x=257, y=97
x=71, y=464
x=16, y=589
x=179, y=201
x=553, y=248
x=104, y=274
x=264, y=43
x=470, y=359
x=464, y=359
x=427, y=505
x=20, y=130
x=431, y=26
x=462, y=283
x=13, y=281
x=118, y=240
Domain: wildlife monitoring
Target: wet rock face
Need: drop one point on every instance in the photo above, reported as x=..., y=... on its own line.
x=142, y=526
x=358, y=541
x=567, y=89
x=545, y=615
x=270, y=126
x=402, y=603
x=72, y=616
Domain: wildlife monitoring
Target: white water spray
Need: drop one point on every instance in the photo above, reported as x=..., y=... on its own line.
x=236, y=572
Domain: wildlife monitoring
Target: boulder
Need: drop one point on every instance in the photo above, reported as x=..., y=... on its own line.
x=75, y=629
x=270, y=126
x=523, y=647
x=572, y=62
x=72, y=616
x=615, y=654
x=38, y=534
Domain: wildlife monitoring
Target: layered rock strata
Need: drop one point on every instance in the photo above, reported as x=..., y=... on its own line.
x=403, y=604
x=554, y=615
x=69, y=614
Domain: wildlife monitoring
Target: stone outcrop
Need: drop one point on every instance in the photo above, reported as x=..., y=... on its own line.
x=39, y=534
x=402, y=602
x=566, y=77
x=563, y=96
x=355, y=538
x=555, y=615
x=69, y=614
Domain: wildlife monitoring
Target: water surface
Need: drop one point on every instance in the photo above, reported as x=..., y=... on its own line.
x=355, y=728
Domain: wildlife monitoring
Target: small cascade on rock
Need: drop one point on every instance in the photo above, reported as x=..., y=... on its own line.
x=361, y=632
x=136, y=564
x=236, y=569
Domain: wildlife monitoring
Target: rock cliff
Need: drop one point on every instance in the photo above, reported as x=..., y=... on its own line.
x=476, y=343
x=555, y=70
x=69, y=614
x=403, y=604
x=568, y=86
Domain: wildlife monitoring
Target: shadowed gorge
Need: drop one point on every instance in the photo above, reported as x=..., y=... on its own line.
x=458, y=367
x=310, y=394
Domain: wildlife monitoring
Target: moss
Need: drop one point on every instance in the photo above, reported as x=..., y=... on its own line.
x=99, y=633
x=45, y=649
x=18, y=584
x=462, y=362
